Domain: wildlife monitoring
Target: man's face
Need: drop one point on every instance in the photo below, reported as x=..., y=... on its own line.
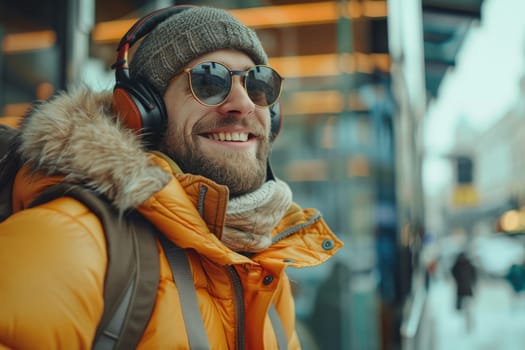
x=228, y=143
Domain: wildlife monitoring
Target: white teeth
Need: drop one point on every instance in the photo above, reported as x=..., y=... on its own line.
x=239, y=136
x=235, y=136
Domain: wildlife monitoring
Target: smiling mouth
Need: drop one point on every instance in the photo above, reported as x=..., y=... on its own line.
x=230, y=136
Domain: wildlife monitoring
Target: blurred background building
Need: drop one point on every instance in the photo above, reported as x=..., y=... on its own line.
x=366, y=93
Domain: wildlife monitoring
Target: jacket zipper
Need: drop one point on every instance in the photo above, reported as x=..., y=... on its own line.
x=238, y=293
x=200, y=203
x=238, y=296
x=296, y=228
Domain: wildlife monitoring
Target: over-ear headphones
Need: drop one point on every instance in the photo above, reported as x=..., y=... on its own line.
x=139, y=105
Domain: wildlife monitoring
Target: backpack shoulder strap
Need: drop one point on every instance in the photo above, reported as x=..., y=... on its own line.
x=278, y=327
x=181, y=271
x=131, y=281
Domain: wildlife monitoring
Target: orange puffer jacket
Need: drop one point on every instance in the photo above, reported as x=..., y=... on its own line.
x=53, y=256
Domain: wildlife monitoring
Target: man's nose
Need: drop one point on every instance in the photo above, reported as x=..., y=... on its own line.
x=238, y=101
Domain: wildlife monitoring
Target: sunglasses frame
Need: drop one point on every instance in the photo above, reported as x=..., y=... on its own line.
x=242, y=73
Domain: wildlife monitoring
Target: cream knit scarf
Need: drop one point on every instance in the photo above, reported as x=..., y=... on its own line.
x=251, y=218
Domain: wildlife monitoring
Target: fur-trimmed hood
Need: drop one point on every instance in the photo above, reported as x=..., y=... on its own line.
x=76, y=135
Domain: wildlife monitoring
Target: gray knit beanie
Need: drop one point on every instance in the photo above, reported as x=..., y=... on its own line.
x=186, y=35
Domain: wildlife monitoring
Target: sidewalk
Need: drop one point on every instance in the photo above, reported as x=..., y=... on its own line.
x=498, y=323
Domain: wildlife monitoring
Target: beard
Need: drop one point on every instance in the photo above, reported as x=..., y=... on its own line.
x=240, y=172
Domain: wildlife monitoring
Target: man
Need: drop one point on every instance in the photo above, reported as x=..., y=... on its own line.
x=465, y=277
x=206, y=185
x=464, y=274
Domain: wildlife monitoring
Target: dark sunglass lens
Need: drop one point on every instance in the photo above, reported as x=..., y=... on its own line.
x=210, y=82
x=263, y=85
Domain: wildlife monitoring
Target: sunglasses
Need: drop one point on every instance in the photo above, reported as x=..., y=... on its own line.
x=211, y=83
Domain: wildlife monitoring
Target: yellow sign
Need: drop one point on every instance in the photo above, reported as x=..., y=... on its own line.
x=465, y=196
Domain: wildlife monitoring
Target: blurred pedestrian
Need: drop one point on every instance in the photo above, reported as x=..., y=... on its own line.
x=465, y=276
x=516, y=278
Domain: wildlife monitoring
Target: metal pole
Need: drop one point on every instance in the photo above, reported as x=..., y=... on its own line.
x=344, y=49
x=73, y=33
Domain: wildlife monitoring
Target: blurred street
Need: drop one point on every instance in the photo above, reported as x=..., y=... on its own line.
x=498, y=319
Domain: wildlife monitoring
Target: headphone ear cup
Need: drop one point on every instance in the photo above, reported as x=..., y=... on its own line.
x=140, y=109
x=275, y=120
x=128, y=109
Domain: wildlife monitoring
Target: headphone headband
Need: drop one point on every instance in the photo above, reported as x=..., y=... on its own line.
x=142, y=27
